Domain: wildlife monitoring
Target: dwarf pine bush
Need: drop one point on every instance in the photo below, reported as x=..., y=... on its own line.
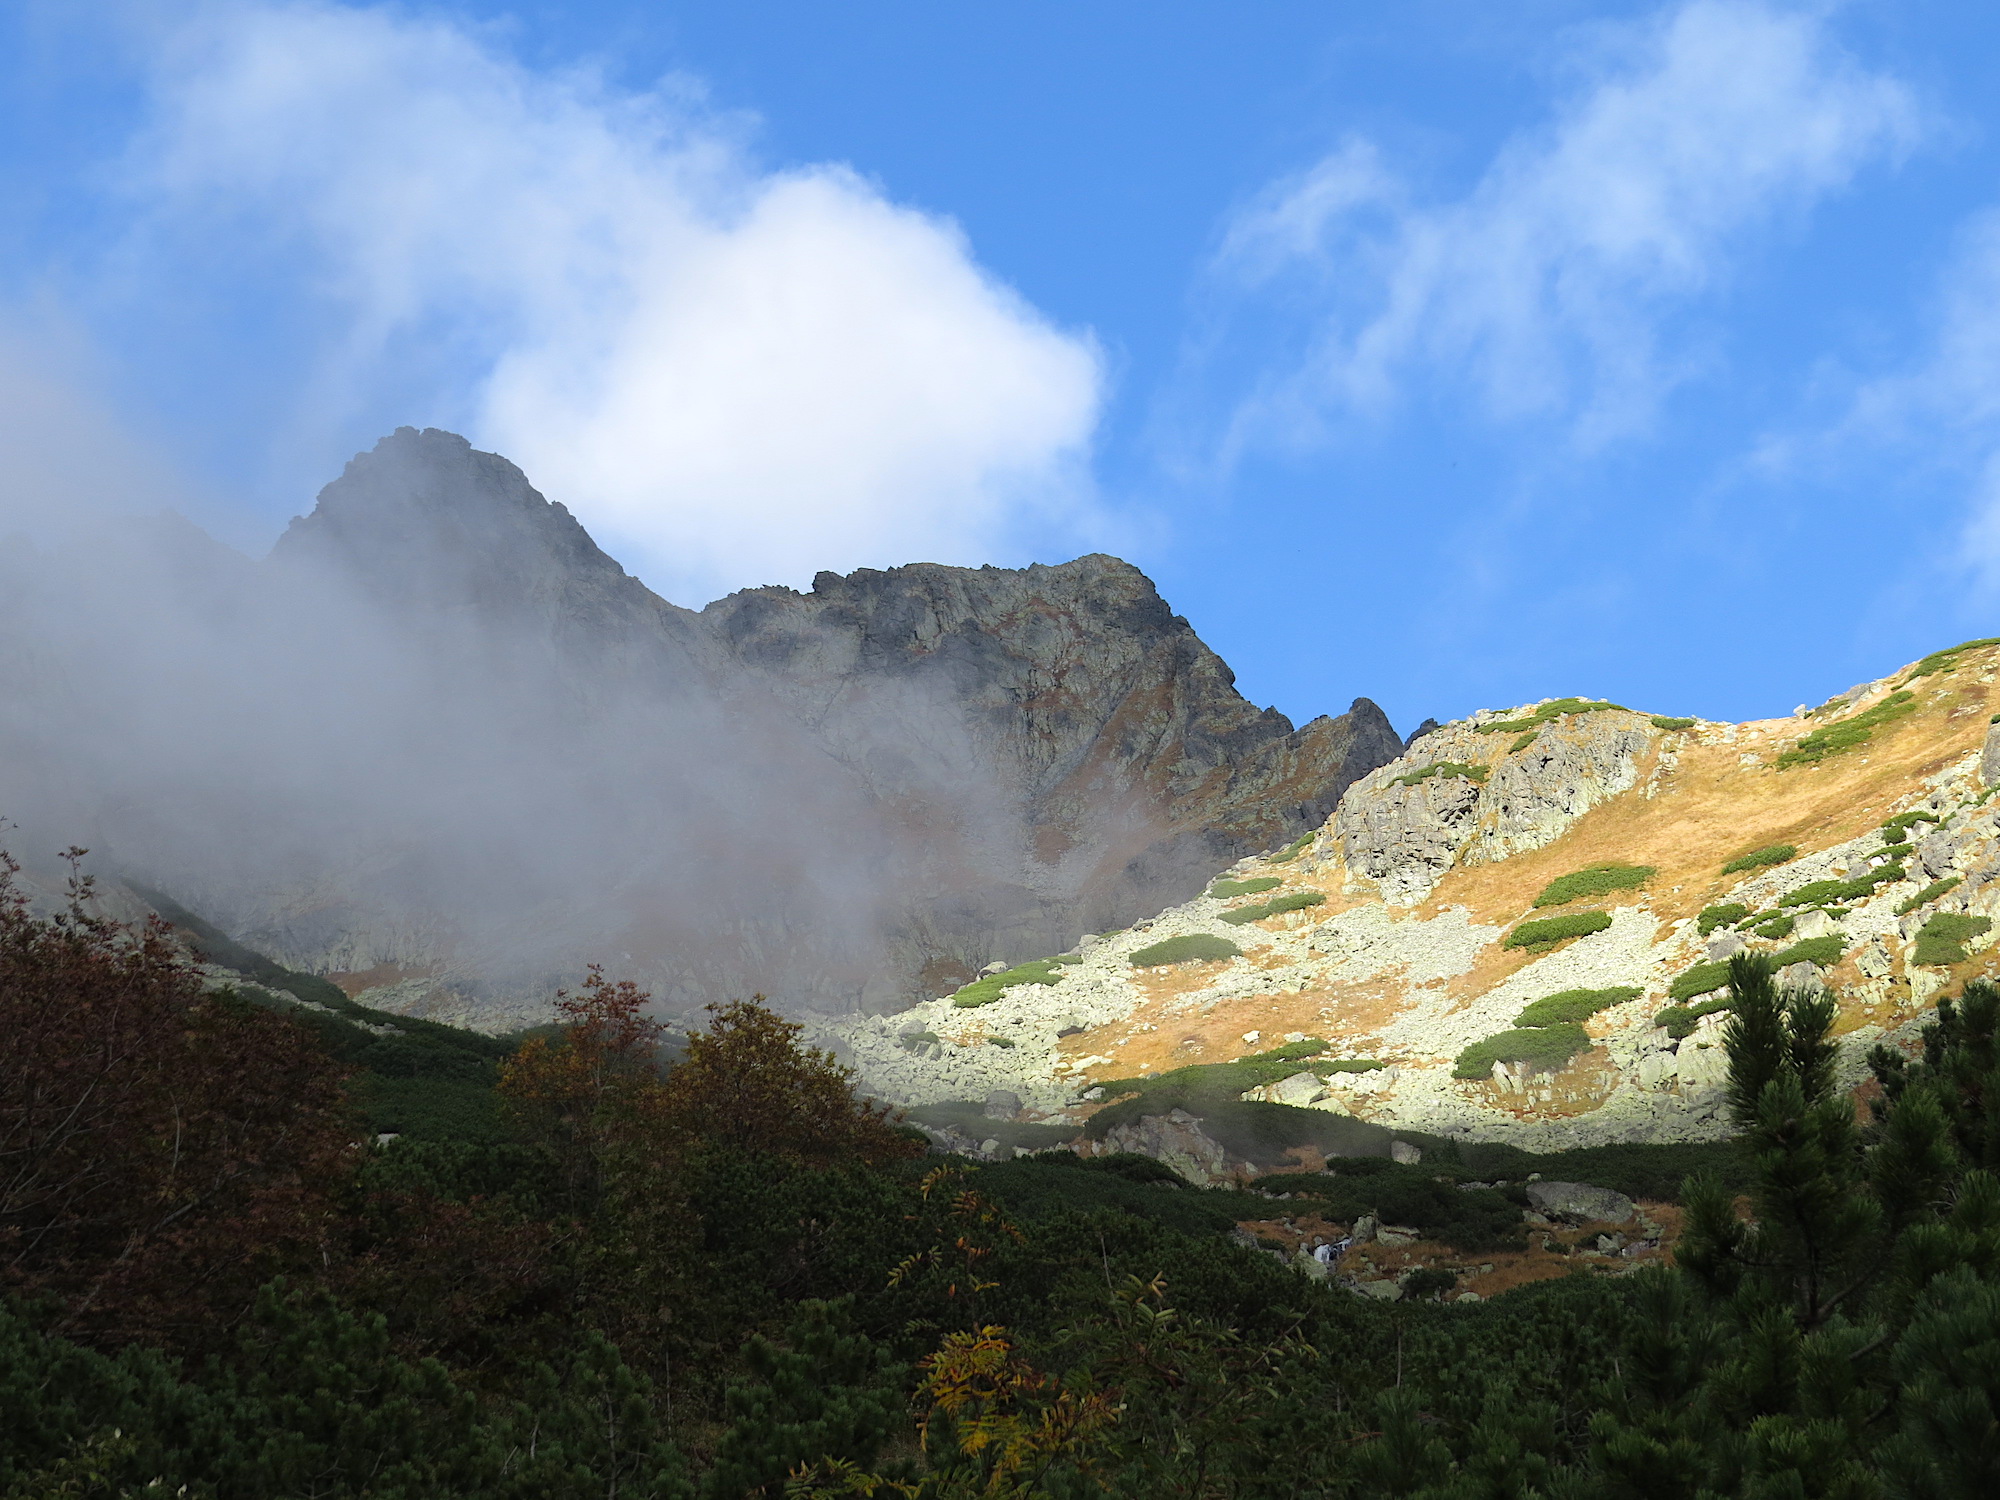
x=1187, y=948
x=1593, y=880
x=1941, y=941
x=1225, y=889
x=1574, y=1005
x=1846, y=734
x=1546, y=932
x=1756, y=859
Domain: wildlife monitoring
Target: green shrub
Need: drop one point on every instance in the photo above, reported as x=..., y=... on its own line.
x=1947, y=659
x=1546, y=1048
x=1713, y=917
x=1443, y=768
x=1312, y=1046
x=1776, y=927
x=1846, y=734
x=1897, y=829
x=1464, y=1218
x=1824, y=951
x=1593, y=880
x=986, y=990
x=1001, y=1041
x=1822, y=892
x=1292, y=901
x=1226, y=889
x=1927, y=895
x=1699, y=981
x=1547, y=713
x=1756, y=859
x=1941, y=941
x=1292, y=850
x=916, y=1041
x=1523, y=741
x=1574, y=1005
x=1428, y=1284
x=1653, y=1172
x=1679, y=1020
x=1349, y=1065
x=1546, y=932
x=1186, y=948
x=1661, y=721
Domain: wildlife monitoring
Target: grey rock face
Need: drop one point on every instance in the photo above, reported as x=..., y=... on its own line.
x=846, y=798
x=1065, y=708
x=1405, y=836
x=1176, y=1140
x=1580, y=1203
x=1989, y=758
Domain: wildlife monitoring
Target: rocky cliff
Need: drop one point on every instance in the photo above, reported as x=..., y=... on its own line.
x=1591, y=862
x=443, y=748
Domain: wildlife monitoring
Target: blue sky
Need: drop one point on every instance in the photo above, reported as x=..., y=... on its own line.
x=1453, y=358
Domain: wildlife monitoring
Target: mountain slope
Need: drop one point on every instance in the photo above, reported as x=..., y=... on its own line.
x=1851, y=831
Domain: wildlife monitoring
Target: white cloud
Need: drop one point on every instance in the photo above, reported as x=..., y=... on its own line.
x=1547, y=284
x=733, y=375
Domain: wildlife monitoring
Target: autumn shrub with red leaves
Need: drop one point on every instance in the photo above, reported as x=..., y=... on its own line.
x=162, y=1152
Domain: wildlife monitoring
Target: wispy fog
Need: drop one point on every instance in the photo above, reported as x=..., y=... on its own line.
x=438, y=740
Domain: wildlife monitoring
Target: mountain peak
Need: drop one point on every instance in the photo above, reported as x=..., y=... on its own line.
x=424, y=514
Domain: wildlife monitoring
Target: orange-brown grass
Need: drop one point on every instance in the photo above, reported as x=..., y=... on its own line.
x=1714, y=807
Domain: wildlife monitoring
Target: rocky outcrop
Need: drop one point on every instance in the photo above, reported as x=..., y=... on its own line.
x=1407, y=824
x=1063, y=719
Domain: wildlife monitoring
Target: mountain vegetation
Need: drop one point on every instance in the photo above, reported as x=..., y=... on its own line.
x=713, y=1271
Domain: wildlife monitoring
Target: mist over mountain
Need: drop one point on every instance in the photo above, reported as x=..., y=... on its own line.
x=443, y=748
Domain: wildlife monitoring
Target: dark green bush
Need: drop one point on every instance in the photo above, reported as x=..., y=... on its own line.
x=1947, y=659
x=1292, y=901
x=1699, y=981
x=1679, y=1020
x=1661, y=721
x=1825, y=892
x=1312, y=1046
x=1775, y=927
x=1292, y=850
x=1897, y=829
x=1574, y=1005
x=917, y=1041
x=1547, y=713
x=1443, y=768
x=1523, y=741
x=1428, y=1284
x=1713, y=917
x=1941, y=941
x=1593, y=880
x=1546, y=1048
x=986, y=990
x=1546, y=932
x=1349, y=1065
x=1927, y=895
x=1188, y=947
x=1846, y=734
x=1824, y=951
x=1475, y=1219
x=1001, y=1041
x=1226, y=889
x=1652, y=1172
x=1770, y=854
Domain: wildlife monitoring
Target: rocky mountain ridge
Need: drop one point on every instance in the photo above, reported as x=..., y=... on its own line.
x=444, y=750
x=1856, y=843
